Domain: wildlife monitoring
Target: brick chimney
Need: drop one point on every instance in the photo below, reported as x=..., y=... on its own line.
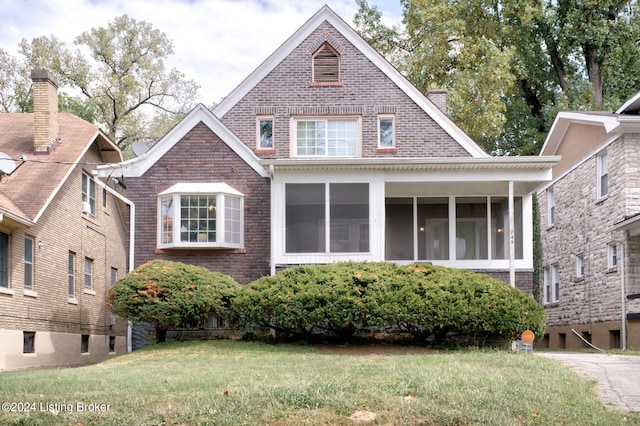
x=439, y=99
x=45, y=108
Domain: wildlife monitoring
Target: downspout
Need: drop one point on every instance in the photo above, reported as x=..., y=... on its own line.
x=132, y=229
x=623, y=291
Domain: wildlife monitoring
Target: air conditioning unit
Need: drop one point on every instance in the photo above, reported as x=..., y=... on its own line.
x=86, y=207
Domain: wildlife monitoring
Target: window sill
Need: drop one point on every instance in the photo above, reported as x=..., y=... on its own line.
x=5, y=290
x=633, y=296
x=89, y=291
x=386, y=150
x=551, y=304
x=602, y=199
x=578, y=279
x=30, y=293
x=72, y=301
x=325, y=84
x=29, y=354
x=550, y=227
x=612, y=270
x=264, y=150
x=190, y=250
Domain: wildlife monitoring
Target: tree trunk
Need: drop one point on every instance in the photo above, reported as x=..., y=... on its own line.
x=161, y=334
x=594, y=70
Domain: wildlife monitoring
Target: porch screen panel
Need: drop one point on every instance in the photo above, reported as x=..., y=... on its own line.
x=500, y=227
x=399, y=229
x=349, y=217
x=433, y=228
x=471, y=228
x=305, y=218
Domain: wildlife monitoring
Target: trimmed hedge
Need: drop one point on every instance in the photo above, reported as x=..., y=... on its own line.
x=430, y=303
x=171, y=294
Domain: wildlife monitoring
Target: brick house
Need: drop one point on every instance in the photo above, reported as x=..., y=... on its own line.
x=62, y=237
x=590, y=221
x=327, y=153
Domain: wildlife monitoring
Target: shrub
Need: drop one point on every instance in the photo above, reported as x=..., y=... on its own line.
x=170, y=294
x=427, y=301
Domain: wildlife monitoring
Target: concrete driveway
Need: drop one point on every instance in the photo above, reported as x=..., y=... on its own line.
x=618, y=376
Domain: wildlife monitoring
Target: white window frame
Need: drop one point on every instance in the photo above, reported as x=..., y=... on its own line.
x=114, y=276
x=5, y=262
x=71, y=275
x=551, y=284
x=327, y=120
x=602, y=174
x=88, y=273
x=88, y=195
x=612, y=255
x=259, y=121
x=580, y=266
x=391, y=118
x=29, y=261
x=551, y=207
x=223, y=194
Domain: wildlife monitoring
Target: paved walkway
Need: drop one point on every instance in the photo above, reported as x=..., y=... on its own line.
x=618, y=376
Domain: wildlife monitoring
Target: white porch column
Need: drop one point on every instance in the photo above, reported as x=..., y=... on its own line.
x=512, y=244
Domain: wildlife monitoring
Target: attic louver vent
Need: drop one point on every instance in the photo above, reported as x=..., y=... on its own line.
x=326, y=65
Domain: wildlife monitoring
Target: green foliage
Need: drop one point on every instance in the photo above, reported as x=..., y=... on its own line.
x=509, y=66
x=170, y=294
x=429, y=302
x=120, y=73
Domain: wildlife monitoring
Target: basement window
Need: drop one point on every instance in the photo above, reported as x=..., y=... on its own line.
x=200, y=215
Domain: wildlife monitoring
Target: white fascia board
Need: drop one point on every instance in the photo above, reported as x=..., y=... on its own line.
x=635, y=99
x=137, y=167
x=326, y=14
x=610, y=123
x=201, y=188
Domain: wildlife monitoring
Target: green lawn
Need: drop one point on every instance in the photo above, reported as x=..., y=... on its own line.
x=225, y=382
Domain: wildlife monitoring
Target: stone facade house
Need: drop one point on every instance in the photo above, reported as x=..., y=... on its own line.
x=327, y=153
x=590, y=222
x=62, y=237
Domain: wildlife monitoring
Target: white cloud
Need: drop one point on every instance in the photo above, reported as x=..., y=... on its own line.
x=217, y=43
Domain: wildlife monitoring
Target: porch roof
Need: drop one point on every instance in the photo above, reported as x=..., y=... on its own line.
x=527, y=172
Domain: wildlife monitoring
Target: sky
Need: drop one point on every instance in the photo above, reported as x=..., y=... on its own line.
x=216, y=43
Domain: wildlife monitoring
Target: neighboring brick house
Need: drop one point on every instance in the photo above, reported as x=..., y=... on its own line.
x=62, y=237
x=327, y=153
x=590, y=221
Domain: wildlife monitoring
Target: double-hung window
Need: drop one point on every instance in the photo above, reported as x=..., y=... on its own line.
x=28, y=263
x=4, y=260
x=551, y=207
x=551, y=284
x=603, y=174
x=320, y=137
x=200, y=215
x=88, y=195
x=88, y=273
x=579, y=266
x=71, y=274
x=612, y=255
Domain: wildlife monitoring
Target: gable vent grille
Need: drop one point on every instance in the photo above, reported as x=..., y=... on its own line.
x=326, y=65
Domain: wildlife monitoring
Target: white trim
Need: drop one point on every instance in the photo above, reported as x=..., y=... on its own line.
x=635, y=99
x=293, y=131
x=137, y=167
x=326, y=14
x=201, y=188
x=392, y=118
x=609, y=122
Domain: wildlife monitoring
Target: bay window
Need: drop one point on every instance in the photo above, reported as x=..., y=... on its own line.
x=198, y=215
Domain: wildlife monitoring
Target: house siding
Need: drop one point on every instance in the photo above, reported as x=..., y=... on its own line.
x=201, y=156
x=47, y=310
x=582, y=226
x=365, y=91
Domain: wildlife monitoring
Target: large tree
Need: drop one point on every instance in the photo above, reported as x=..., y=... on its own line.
x=510, y=65
x=122, y=77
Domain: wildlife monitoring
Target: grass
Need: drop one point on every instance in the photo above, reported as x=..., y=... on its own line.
x=225, y=382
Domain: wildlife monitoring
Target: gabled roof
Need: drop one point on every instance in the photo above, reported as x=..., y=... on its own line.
x=326, y=14
x=138, y=166
x=28, y=191
x=632, y=106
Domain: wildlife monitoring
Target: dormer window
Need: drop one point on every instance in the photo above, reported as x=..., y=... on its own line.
x=326, y=66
